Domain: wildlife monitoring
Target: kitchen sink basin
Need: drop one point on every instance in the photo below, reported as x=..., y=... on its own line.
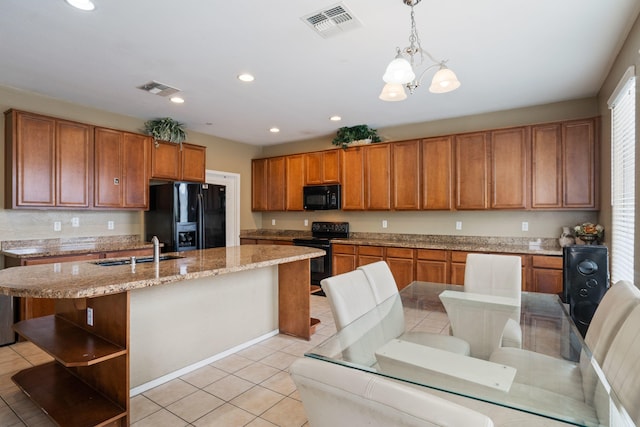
x=108, y=263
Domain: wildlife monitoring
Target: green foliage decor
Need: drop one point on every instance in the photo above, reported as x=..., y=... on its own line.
x=346, y=135
x=166, y=129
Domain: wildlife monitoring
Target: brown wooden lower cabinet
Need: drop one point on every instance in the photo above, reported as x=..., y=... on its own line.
x=344, y=258
x=546, y=274
x=402, y=265
x=432, y=265
x=370, y=254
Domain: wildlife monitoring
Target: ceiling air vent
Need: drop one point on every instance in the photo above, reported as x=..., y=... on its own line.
x=158, y=88
x=332, y=20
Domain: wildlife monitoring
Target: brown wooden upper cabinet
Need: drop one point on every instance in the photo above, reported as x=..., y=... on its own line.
x=268, y=180
x=178, y=162
x=48, y=162
x=295, y=168
x=472, y=170
x=406, y=175
x=366, y=177
x=322, y=167
x=564, y=169
x=510, y=159
x=122, y=170
x=437, y=173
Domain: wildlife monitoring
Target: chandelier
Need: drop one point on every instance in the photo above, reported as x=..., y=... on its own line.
x=401, y=72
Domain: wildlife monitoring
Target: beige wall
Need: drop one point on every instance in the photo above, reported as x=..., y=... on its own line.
x=474, y=223
x=627, y=57
x=222, y=155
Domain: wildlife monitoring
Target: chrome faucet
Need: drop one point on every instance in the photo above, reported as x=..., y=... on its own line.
x=156, y=249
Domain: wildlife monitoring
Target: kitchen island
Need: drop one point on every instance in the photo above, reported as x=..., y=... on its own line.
x=121, y=327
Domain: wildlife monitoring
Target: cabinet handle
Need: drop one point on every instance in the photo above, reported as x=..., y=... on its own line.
x=116, y=181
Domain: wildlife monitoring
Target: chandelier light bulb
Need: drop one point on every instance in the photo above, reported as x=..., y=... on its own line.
x=444, y=81
x=393, y=92
x=86, y=5
x=399, y=71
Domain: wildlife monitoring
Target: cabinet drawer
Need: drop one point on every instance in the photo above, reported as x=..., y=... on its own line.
x=459, y=256
x=554, y=262
x=432, y=254
x=400, y=253
x=344, y=249
x=371, y=250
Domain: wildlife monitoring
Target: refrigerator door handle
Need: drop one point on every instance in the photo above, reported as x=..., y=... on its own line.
x=201, y=228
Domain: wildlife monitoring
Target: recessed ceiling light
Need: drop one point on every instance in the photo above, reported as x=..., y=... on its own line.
x=274, y=130
x=245, y=77
x=335, y=118
x=177, y=100
x=82, y=4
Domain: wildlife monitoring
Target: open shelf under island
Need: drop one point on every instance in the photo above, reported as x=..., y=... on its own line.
x=118, y=328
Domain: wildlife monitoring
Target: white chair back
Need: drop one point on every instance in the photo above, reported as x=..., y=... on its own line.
x=499, y=275
x=349, y=295
x=621, y=365
x=333, y=395
x=383, y=284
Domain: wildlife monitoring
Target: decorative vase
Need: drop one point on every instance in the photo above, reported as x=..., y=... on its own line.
x=566, y=239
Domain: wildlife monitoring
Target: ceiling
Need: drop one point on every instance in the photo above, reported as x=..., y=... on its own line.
x=507, y=54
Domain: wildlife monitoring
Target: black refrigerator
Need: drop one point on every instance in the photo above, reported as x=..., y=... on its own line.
x=186, y=216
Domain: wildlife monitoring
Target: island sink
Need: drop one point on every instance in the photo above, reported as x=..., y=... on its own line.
x=108, y=263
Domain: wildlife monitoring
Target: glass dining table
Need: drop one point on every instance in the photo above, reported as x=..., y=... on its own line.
x=376, y=343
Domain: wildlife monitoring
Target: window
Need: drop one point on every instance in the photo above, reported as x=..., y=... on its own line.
x=622, y=104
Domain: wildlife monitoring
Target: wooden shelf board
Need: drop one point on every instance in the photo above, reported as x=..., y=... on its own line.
x=313, y=322
x=65, y=398
x=315, y=288
x=69, y=344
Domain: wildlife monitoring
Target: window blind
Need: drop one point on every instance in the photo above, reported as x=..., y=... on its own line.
x=622, y=105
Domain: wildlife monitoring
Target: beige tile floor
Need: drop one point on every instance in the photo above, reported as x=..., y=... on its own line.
x=249, y=388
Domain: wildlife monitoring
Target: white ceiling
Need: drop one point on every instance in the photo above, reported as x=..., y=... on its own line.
x=506, y=53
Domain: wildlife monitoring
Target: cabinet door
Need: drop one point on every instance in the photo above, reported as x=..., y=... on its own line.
x=402, y=265
x=313, y=168
x=74, y=169
x=432, y=266
x=546, y=161
x=193, y=162
x=579, y=151
x=276, y=184
x=352, y=178
x=547, y=281
x=377, y=166
x=295, y=181
x=31, y=158
x=259, y=191
x=437, y=173
x=509, y=168
x=331, y=166
x=135, y=170
x=343, y=258
x=472, y=168
x=406, y=175
x=108, y=188
x=164, y=161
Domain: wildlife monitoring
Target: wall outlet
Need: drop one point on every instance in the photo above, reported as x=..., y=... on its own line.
x=525, y=226
x=385, y=224
x=57, y=226
x=75, y=221
x=273, y=222
x=458, y=225
x=89, y=316
x=110, y=225
x=306, y=222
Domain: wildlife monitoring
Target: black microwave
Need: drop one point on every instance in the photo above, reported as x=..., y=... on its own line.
x=321, y=197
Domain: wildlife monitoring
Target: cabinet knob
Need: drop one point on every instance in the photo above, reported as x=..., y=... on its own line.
x=116, y=181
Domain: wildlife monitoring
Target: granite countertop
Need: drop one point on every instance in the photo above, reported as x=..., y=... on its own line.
x=70, y=246
x=514, y=245
x=86, y=279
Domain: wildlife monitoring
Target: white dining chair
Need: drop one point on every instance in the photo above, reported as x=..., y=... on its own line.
x=383, y=286
x=497, y=275
x=334, y=395
x=567, y=378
